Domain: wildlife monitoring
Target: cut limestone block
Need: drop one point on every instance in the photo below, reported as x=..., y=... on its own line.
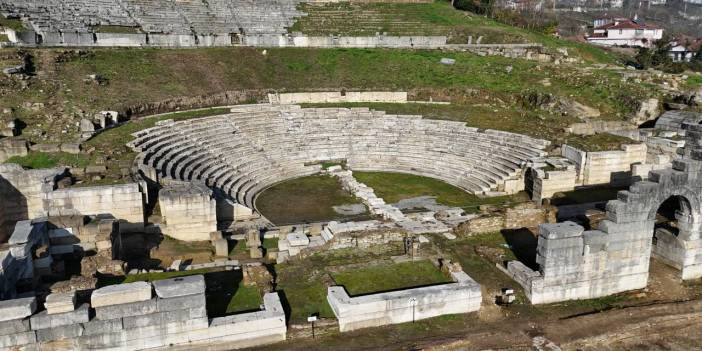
x=59, y=333
x=126, y=310
x=181, y=302
x=181, y=286
x=14, y=326
x=221, y=247
x=97, y=326
x=44, y=320
x=298, y=239
x=160, y=318
x=17, y=339
x=17, y=308
x=60, y=303
x=121, y=294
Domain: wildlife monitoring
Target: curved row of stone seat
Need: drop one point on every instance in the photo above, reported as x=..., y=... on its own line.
x=158, y=16
x=256, y=146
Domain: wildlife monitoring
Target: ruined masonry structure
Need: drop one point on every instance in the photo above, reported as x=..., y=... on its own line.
x=189, y=211
x=579, y=264
x=255, y=146
x=462, y=296
x=129, y=317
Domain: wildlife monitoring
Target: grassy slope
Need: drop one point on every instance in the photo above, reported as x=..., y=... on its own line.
x=36, y=160
x=306, y=199
x=437, y=18
x=393, y=187
x=147, y=75
x=379, y=278
x=14, y=24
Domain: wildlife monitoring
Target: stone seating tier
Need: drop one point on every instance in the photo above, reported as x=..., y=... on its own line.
x=256, y=146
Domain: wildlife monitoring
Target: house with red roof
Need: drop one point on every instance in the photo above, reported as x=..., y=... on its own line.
x=624, y=32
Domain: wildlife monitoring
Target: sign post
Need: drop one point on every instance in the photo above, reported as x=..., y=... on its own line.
x=312, y=319
x=413, y=303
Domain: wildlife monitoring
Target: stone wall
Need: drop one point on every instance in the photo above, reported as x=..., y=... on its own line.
x=605, y=167
x=579, y=264
x=526, y=215
x=462, y=296
x=123, y=201
x=130, y=317
x=338, y=97
x=548, y=182
x=188, y=210
x=22, y=193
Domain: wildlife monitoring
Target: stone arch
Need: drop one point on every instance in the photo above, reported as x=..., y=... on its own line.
x=575, y=263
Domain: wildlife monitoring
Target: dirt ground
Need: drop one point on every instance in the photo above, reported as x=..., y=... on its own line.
x=667, y=315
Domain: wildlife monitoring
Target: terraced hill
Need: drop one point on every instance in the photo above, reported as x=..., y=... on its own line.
x=438, y=18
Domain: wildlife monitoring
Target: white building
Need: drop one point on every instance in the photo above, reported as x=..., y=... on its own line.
x=684, y=51
x=624, y=32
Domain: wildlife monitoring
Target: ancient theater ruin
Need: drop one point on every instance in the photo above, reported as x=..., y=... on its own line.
x=575, y=263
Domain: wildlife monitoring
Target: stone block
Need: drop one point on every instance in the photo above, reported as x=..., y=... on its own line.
x=560, y=230
x=121, y=294
x=60, y=302
x=43, y=320
x=126, y=310
x=17, y=308
x=298, y=239
x=59, y=333
x=97, y=326
x=14, y=326
x=156, y=319
x=9, y=341
x=221, y=247
x=181, y=286
x=255, y=253
x=181, y=302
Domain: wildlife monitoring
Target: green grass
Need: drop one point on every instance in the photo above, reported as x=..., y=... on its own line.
x=247, y=298
x=380, y=278
x=393, y=187
x=239, y=250
x=39, y=160
x=694, y=81
x=305, y=199
x=4, y=38
x=598, y=142
x=178, y=247
x=13, y=24
x=149, y=75
x=271, y=243
x=438, y=18
x=367, y=19
x=150, y=277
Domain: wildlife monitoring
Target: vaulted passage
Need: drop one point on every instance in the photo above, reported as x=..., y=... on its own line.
x=672, y=217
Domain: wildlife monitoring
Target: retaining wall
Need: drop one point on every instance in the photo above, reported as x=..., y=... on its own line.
x=123, y=201
x=606, y=167
x=338, y=97
x=22, y=193
x=402, y=306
